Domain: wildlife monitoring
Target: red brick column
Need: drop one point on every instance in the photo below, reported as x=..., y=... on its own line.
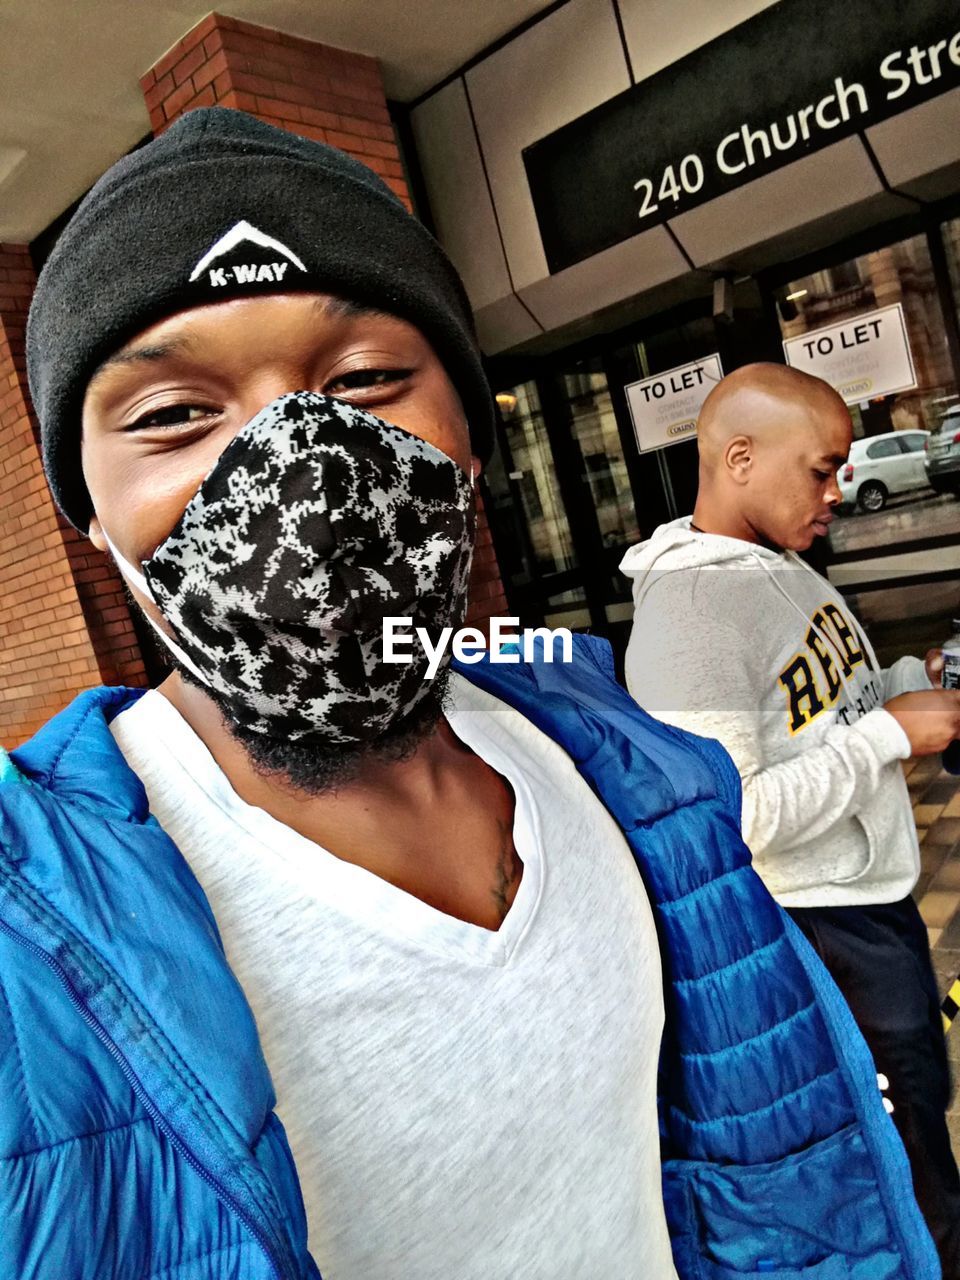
x=487, y=598
x=63, y=603
x=326, y=94
x=46, y=655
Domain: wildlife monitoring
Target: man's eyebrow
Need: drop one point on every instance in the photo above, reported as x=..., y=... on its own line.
x=143, y=354
x=343, y=308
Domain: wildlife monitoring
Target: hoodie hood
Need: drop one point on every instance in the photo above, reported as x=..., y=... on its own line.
x=676, y=546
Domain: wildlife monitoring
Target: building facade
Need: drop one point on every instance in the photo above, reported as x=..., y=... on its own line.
x=639, y=196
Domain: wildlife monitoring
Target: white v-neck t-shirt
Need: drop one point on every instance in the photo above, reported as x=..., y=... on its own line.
x=462, y=1104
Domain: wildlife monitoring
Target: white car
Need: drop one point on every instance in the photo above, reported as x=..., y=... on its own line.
x=879, y=466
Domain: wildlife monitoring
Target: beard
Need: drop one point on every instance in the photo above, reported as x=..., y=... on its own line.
x=319, y=768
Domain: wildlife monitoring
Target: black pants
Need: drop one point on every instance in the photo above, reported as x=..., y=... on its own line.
x=879, y=957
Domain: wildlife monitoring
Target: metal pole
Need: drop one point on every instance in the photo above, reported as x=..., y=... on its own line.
x=667, y=485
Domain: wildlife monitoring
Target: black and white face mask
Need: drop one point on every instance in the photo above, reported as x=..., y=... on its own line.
x=318, y=521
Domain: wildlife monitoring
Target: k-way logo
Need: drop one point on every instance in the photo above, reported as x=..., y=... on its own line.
x=249, y=273
x=245, y=272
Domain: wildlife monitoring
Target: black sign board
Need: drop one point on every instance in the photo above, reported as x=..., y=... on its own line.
x=796, y=77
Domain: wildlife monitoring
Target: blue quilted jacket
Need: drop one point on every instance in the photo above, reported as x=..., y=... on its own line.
x=137, y=1134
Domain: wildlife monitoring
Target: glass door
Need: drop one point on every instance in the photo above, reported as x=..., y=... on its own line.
x=569, y=490
x=539, y=565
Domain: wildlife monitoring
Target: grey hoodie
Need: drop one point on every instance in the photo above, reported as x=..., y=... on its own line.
x=751, y=647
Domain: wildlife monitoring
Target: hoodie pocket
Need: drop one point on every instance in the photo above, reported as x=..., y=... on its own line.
x=816, y=1214
x=873, y=837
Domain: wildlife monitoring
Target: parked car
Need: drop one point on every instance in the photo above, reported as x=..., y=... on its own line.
x=879, y=466
x=942, y=458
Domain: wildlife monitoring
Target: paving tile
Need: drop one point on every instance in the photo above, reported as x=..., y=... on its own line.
x=928, y=767
x=932, y=858
x=952, y=808
x=924, y=769
x=945, y=831
x=920, y=779
x=940, y=791
x=951, y=937
x=938, y=907
x=953, y=1124
x=933, y=936
x=948, y=876
x=925, y=815
x=946, y=966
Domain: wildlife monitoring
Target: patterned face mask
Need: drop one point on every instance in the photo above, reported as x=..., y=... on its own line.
x=318, y=521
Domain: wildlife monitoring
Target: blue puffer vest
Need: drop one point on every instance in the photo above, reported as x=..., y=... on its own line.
x=137, y=1136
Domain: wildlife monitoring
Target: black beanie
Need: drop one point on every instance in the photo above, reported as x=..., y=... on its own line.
x=223, y=205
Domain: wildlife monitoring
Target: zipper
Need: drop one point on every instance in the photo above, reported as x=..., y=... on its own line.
x=142, y=1096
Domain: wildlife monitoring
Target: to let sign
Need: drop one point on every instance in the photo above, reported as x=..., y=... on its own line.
x=665, y=407
x=861, y=358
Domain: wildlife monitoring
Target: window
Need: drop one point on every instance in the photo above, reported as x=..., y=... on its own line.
x=906, y=596
x=901, y=272
x=883, y=449
x=602, y=483
x=595, y=431
x=525, y=494
x=913, y=441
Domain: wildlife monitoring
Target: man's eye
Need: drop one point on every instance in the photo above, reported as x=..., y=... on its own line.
x=173, y=415
x=822, y=475
x=362, y=379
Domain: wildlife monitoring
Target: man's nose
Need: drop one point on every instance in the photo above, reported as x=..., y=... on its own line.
x=269, y=385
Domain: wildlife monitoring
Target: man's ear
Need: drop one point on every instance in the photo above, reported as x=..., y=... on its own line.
x=95, y=534
x=738, y=458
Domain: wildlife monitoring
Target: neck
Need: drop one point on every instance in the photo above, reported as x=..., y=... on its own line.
x=711, y=516
x=417, y=778
x=437, y=823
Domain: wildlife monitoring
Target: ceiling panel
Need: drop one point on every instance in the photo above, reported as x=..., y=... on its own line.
x=69, y=72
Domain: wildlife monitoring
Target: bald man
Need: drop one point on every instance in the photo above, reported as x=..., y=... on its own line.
x=735, y=638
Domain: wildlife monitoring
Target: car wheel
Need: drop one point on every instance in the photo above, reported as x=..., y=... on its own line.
x=872, y=496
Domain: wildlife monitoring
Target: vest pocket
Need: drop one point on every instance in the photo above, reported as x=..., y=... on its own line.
x=834, y=1268
x=814, y=1215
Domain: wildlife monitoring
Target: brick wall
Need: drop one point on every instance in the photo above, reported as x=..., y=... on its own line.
x=106, y=609
x=487, y=598
x=45, y=653
x=326, y=94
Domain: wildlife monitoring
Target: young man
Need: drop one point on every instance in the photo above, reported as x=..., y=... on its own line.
x=736, y=638
x=257, y=384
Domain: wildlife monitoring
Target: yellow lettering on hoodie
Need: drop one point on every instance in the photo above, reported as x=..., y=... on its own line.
x=827, y=665
x=841, y=632
x=804, y=699
x=829, y=636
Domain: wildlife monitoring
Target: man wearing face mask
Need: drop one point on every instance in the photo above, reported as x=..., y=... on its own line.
x=419, y=917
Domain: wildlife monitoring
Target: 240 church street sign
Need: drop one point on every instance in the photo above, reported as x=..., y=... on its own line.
x=800, y=75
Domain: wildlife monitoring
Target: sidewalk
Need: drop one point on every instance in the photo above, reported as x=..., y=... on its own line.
x=936, y=808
